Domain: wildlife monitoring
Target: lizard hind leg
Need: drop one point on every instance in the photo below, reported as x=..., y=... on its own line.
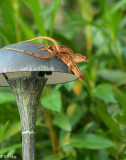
x=50, y=49
x=70, y=67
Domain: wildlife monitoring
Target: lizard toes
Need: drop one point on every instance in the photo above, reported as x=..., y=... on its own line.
x=81, y=77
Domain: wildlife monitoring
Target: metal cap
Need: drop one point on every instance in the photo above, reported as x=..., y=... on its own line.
x=17, y=64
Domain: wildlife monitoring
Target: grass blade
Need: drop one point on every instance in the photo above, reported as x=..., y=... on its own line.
x=12, y=147
x=54, y=13
x=2, y=131
x=34, y=6
x=87, y=14
x=119, y=5
x=27, y=31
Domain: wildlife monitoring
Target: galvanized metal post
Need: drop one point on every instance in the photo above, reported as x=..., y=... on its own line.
x=27, y=91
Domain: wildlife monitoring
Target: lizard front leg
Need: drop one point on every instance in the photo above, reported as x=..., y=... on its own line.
x=73, y=67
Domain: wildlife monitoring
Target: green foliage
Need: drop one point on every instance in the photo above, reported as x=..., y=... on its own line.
x=6, y=97
x=117, y=76
x=62, y=121
x=81, y=120
x=52, y=101
x=90, y=141
x=54, y=13
x=7, y=149
x=108, y=120
x=2, y=131
x=104, y=92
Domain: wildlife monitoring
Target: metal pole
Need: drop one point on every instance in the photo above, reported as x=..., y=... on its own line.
x=27, y=91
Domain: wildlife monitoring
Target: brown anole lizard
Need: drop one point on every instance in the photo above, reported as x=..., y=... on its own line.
x=62, y=52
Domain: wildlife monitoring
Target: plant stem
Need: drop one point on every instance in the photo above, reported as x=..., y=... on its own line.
x=49, y=124
x=48, y=121
x=17, y=14
x=118, y=55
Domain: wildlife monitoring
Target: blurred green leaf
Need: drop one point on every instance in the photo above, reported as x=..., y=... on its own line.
x=12, y=130
x=2, y=131
x=54, y=13
x=119, y=5
x=8, y=149
x=103, y=154
x=104, y=92
x=52, y=101
x=102, y=4
x=6, y=97
x=62, y=121
x=56, y=158
x=75, y=113
x=117, y=76
x=87, y=14
x=69, y=86
x=26, y=29
x=80, y=23
x=121, y=98
x=90, y=141
x=86, y=10
x=113, y=27
x=7, y=22
x=121, y=117
x=34, y=6
x=108, y=120
x=4, y=36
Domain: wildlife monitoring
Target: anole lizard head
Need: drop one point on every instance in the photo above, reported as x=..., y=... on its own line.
x=77, y=58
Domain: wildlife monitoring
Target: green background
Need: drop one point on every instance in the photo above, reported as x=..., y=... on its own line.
x=76, y=120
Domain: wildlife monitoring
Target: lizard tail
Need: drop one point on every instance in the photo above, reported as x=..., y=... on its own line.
x=52, y=54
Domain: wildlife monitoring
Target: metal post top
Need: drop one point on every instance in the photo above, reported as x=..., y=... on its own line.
x=17, y=64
